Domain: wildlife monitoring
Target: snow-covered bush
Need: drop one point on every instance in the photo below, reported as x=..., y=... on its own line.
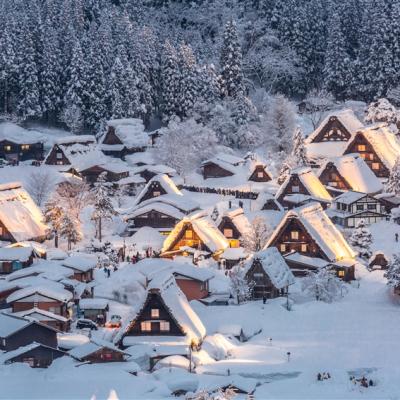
x=241, y=289
x=393, y=272
x=382, y=111
x=361, y=240
x=324, y=285
x=393, y=183
x=255, y=238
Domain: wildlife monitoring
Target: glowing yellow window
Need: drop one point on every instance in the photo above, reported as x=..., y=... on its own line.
x=294, y=235
x=260, y=174
x=25, y=147
x=303, y=248
x=156, y=194
x=145, y=326
x=228, y=233
x=375, y=165
x=234, y=243
x=155, y=313
x=361, y=147
x=188, y=234
x=341, y=274
x=283, y=247
x=164, y=326
x=7, y=148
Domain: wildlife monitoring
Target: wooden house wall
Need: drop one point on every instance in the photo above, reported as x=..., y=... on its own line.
x=31, y=333
x=83, y=276
x=6, y=267
x=40, y=357
x=255, y=178
x=226, y=223
x=369, y=155
x=270, y=204
x=153, y=219
x=263, y=285
x=211, y=170
x=55, y=306
x=194, y=242
x=91, y=175
x=193, y=289
x=5, y=234
x=105, y=355
x=34, y=152
x=333, y=131
x=154, y=301
x=285, y=244
x=379, y=260
x=52, y=157
x=111, y=137
x=294, y=181
x=330, y=176
x=155, y=187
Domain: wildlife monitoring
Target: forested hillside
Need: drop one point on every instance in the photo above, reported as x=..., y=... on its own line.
x=84, y=61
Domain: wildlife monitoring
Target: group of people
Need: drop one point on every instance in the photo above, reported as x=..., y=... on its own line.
x=239, y=194
x=364, y=382
x=149, y=253
x=323, y=376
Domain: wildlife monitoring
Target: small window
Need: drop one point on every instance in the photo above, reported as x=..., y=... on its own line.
x=7, y=148
x=164, y=326
x=145, y=326
x=332, y=184
x=188, y=234
x=60, y=162
x=360, y=207
x=294, y=235
x=3, y=342
x=370, y=157
x=155, y=313
x=371, y=206
x=59, y=155
x=295, y=189
x=156, y=193
x=361, y=147
x=260, y=174
x=341, y=273
x=283, y=248
x=228, y=233
x=304, y=248
x=375, y=166
x=25, y=147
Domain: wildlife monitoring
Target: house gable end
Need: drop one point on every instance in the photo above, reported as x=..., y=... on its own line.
x=333, y=131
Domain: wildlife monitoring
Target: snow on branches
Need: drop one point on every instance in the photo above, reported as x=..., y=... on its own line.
x=255, y=238
x=241, y=289
x=393, y=272
x=361, y=240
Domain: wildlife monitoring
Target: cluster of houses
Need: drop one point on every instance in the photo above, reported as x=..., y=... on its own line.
x=42, y=291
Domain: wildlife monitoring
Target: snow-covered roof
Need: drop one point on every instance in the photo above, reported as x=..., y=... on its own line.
x=156, y=169
x=50, y=291
x=274, y=266
x=91, y=347
x=183, y=203
x=39, y=249
x=15, y=253
x=146, y=237
x=158, y=206
x=11, y=323
x=177, y=304
x=384, y=142
x=40, y=315
x=346, y=117
x=322, y=150
x=356, y=172
x=75, y=139
x=164, y=181
x=229, y=158
x=350, y=197
x=204, y=227
x=43, y=268
x=130, y=131
x=237, y=216
x=17, y=352
x=17, y=134
x=322, y=230
x=310, y=181
x=19, y=214
x=84, y=262
x=306, y=260
x=93, y=304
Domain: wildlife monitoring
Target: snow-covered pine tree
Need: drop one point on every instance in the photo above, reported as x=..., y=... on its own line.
x=103, y=206
x=284, y=172
x=54, y=214
x=361, y=240
x=170, y=82
x=232, y=82
x=69, y=230
x=324, y=285
x=111, y=254
x=393, y=183
x=299, y=152
x=117, y=89
x=241, y=289
x=393, y=272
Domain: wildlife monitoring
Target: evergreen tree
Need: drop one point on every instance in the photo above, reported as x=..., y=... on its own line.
x=117, y=86
x=393, y=183
x=69, y=230
x=393, y=272
x=361, y=240
x=232, y=81
x=299, y=152
x=170, y=83
x=54, y=214
x=103, y=207
x=241, y=288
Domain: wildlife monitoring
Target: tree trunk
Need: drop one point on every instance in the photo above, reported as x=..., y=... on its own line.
x=100, y=229
x=56, y=239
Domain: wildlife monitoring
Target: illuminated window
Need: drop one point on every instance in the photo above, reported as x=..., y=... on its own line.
x=332, y=184
x=294, y=235
x=1, y=230
x=304, y=248
x=295, y=189
x=375, y=165
x=228, y=233
x=341, y=274
x=59, y=162
x=364, y=156
x=155, y=313
x=156, y=194
x=164, y=326
x=370, y=157
x=7, y=148
x=25, y=147
x=188, y=234
x=283, y=247
x=59, y=155
x=361, y=147
x=260, y=174
x=145, y=326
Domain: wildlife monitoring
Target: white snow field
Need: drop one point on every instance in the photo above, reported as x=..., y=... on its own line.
x=356, y=335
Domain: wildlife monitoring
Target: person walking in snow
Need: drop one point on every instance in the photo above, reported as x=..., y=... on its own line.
x=396, y=236
x=108, y=273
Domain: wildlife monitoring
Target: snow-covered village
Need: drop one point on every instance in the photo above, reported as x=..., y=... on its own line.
x=199, y=199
